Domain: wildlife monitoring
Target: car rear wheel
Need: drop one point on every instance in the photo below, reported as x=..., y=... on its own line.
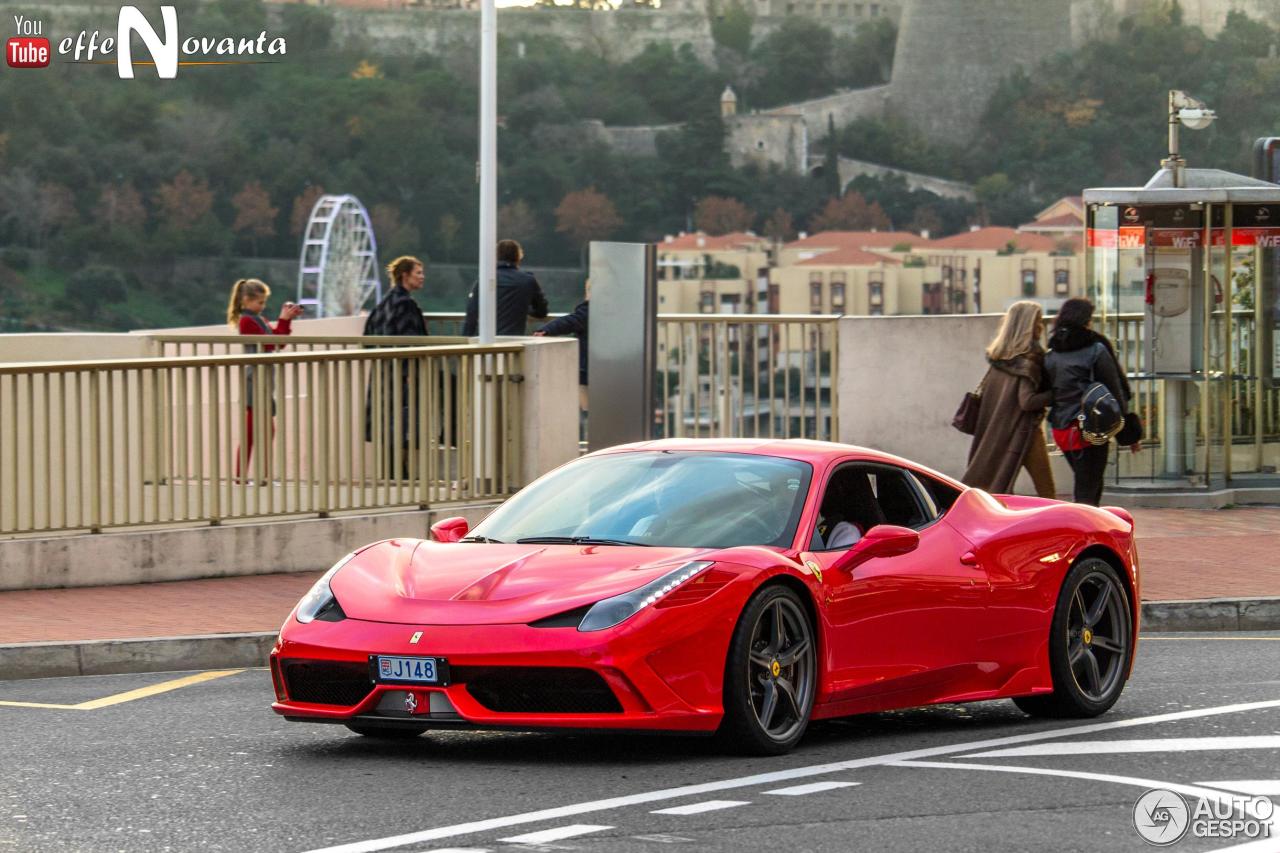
x=770, y=675
x=387, y=732
x=1090, y=644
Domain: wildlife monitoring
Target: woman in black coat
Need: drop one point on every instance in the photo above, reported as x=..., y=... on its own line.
x=1078, y=357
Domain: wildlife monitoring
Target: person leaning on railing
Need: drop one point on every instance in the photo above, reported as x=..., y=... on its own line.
x=398, y=314
x=244, y=312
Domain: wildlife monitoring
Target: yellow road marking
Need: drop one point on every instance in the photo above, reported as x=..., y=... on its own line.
x=131, y=695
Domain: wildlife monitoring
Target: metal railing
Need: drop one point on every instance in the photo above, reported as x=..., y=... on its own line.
x=737, y=375
x=748, y=375
x=1254, y=409
x=120, y=443
x=191, y=346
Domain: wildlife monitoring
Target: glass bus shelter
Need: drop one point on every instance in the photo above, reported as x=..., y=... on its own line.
x=1185, y=284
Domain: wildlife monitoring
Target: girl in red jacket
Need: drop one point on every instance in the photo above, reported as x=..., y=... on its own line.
x=244, y=311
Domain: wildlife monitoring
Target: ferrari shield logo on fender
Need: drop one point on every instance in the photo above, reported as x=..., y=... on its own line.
x=411, y=702
x=417, y=635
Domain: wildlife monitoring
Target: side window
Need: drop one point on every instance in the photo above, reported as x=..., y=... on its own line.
x=942, y=494
x=899, y=502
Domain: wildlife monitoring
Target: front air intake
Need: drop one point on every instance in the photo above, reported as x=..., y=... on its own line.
x=538, y=689
x=326, y=682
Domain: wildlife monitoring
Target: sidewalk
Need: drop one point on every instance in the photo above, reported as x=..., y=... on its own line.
x=1200, y=569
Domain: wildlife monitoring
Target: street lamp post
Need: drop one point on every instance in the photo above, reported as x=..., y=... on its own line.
x=1187, y=111
x=488, y=169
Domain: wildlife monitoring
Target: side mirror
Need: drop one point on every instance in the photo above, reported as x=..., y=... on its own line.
x=883, y=540
x=450, y=529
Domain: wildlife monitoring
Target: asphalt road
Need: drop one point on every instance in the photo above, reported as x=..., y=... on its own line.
x=207, y=766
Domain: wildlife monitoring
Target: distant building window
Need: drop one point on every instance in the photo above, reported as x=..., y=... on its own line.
x=815, y=290
x=842, y=9
x=875, y=10
x=837, y=297
x=708, y=302
x=760, y=144
x=857, y=10
x=826, y=10
x=875, y=296
x=1028, y=281
x=1061, y=280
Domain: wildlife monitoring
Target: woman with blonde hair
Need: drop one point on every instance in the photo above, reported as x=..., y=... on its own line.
x=1013, y=402
x=244, y=312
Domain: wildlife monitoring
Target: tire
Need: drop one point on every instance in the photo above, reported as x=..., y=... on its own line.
x=386, y=732
x=770, y=676
x=1090, y=644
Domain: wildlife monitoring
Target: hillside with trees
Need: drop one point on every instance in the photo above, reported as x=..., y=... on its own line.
x=109, y=185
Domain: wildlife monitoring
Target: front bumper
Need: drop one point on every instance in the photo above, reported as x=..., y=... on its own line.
x=663, y=673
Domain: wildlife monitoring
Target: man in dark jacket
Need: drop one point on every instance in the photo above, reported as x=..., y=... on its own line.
x=519, y=295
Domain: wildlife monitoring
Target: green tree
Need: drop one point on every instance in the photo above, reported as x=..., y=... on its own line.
x=94, y=286
x=731, y=26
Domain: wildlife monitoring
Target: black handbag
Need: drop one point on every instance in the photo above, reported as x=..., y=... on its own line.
x=1131, y=432
x=966, y=416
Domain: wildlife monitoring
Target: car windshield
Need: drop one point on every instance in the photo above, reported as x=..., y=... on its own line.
x=685, y=499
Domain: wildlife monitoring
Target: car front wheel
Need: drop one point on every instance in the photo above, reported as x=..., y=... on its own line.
x=770, y=675
x=1090, y=644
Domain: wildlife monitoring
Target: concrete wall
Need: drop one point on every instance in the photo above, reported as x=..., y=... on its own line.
x=765, y=140
x=295, y=545
x=952, y=54
x=843, y=107
x=901, y=379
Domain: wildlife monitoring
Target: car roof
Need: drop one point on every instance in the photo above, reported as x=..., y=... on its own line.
x=802, y=449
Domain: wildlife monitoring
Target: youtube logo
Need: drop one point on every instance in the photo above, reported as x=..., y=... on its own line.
x=27, y=52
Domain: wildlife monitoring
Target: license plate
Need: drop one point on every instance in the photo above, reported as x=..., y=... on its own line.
x=403, y=670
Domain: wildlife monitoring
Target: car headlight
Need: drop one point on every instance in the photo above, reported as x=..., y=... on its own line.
x=620, y=608
x=320, y=597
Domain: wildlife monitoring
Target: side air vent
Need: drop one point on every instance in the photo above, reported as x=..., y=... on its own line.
x=538, y=690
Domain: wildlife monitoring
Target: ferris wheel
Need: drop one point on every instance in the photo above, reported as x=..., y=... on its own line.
x=338, y=271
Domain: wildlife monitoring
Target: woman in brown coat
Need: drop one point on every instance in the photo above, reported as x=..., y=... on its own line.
x=1014, y=399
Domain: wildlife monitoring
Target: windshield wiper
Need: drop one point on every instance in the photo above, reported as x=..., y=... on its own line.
x=485, y=539
x=575, y=540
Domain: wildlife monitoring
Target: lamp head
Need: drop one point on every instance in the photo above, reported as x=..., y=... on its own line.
x=1196, y=118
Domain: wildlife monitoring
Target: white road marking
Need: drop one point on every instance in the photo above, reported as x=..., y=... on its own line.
x=459, y=850
x=1109, y=747
x=558, y=834
x=1251, y=808
x=699, y=808
x=811, y=788
x=1255, y=787
x=759, y=779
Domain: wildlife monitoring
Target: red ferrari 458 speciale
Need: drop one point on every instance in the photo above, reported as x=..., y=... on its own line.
x=739, y=587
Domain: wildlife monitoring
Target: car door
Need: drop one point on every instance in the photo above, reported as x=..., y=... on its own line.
x=904, y=624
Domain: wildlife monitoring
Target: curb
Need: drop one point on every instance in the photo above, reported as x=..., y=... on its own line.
x=153, y=654
x=235, y=651
x=1212, y=614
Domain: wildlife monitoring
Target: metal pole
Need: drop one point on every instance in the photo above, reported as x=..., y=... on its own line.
x=488, y=168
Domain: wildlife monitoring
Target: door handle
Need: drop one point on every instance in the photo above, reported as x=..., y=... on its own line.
x=968, y=558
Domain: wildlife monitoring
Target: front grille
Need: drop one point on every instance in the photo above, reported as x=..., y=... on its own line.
x=538, y=689
x=326, y=682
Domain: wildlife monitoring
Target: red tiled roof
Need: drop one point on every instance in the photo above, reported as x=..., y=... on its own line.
x=995, y=239
x=858, y=240
x=737, y=240
x=849, y=258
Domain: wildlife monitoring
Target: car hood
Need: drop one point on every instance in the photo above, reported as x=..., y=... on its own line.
x=419, y=582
